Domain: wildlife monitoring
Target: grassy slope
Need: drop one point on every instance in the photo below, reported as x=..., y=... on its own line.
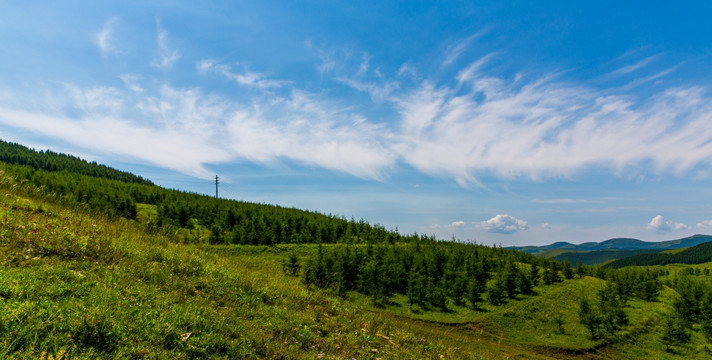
x=83, y=286
x=77, y=285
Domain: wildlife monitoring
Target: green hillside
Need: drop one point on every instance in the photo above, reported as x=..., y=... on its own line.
x=12, y=153
x=618, y=244
x=226, y=222
x=693, y=255
x=594, y=257
x=82, y=278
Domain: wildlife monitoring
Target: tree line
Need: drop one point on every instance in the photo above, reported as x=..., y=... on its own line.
x=13, y=153
x=692, y=309
x=432, y=274
x=698, y=254
x=230, y=222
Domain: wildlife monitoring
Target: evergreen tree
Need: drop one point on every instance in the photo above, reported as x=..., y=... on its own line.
x=706, y=313
x=215, y=235
x=676, y=332
x=589, y=317
x=525, y=284
x=580, y=270
x=497, y=292
x=611, y=309
x=534, y=274
x=291, y=266
x=458, y=288
x=568, y=271
x=475, y=289
x=416, y=289
x=510, y=279
x=437, y=297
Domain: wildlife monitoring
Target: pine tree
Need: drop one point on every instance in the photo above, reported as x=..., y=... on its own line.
x=675, y=331
x=611, y=309
x=706, y=314
x=534, y=274
x=525, y=284
x=437, y=297
x=416, y=289
x=474, y=292
x=580, y=270
x=496, y=292
x=291, y=266
x=589, y=317
x=568, y=271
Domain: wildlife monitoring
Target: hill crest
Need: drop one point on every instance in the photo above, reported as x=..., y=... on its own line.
x=619, y=244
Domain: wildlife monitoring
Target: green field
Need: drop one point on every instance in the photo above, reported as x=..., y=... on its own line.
x=78, y=281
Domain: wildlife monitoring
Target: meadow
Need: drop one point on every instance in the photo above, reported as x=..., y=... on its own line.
x=81, y=281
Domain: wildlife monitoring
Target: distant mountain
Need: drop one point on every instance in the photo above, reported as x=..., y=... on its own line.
x=698, y=254
x=595, y=257
x=619, y=244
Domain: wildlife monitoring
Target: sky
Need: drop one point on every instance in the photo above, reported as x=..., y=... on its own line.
x=509, y=123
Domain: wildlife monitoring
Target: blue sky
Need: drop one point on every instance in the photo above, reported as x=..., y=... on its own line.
x=506, y=123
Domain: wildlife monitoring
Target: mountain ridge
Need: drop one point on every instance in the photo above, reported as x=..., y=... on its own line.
x=619, y=244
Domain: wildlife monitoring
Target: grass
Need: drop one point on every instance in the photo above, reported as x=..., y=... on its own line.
x=79, y=285
x=82, y=286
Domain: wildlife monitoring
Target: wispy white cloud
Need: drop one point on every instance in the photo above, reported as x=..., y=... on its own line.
x=304, y=129
x=705, y=224
x=633, y=67
x=247, y=78
x=647, y=79
x=455, y=50
x=167, y=55
x=659, y=224
x=462, y=128
x=546, y=128
x=503, y=224
x=473, y=72
x=458, y=224
x=377, y=91
x=105, y=38
x=186, y=129
x=132, y=82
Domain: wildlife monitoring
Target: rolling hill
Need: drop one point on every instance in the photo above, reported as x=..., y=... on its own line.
x=619, y=244
x=84, y=277
x=698, y=254
x=592, y=253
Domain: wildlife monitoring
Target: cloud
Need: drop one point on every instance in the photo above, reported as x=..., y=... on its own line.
x=247, y=78
x=186, y=129
x=132, y=82
x=633, y=67
x=105, y=38
x=546, y=226
x=473, y=125
x=705, y=224
x=648, y=79
x=661, y=225
x=166, y=55
x=378, y=92
x=545, y=128
x=503, y=224
x=308, y=131
x=454, y=51
x=457, y=224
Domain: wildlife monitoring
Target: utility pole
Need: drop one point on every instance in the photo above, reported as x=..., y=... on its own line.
x=217, y=181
